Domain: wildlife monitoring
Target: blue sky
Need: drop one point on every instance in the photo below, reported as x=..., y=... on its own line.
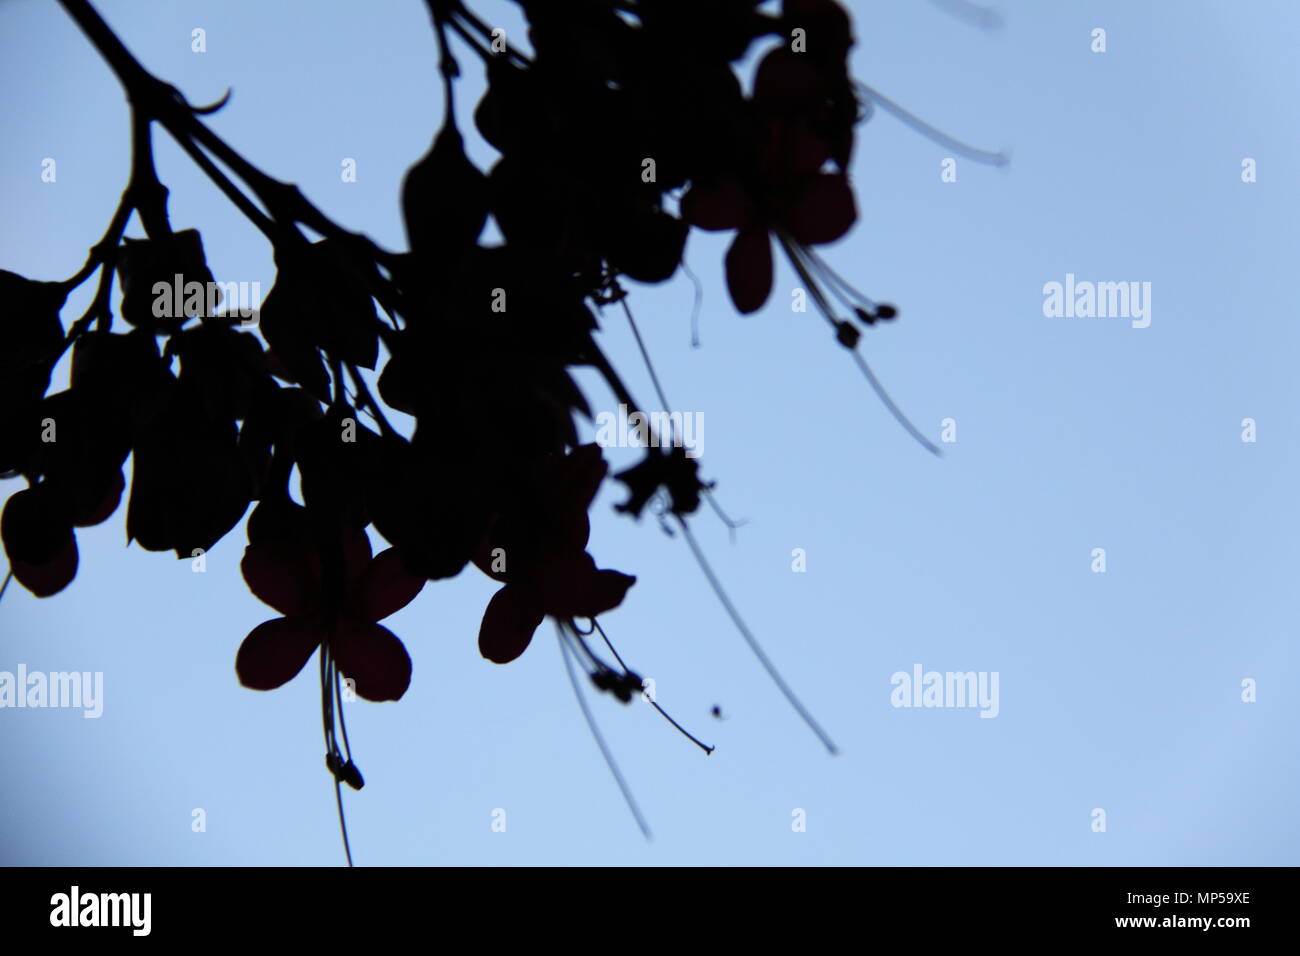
x=1119, y=690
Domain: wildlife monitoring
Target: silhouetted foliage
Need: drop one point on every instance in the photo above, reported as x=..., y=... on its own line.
x=625, y=128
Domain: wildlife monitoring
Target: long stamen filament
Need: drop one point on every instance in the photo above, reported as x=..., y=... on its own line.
x=663, y=399
x=801, y=267
x=329, y=687
x=893, y=409
x=932, y=133
x=977, y=16
x=653, y=703
x=754, y=646
x=565, y=650
x=696, y=305
x=861, y=298
x=598, y=665
x=343, y=724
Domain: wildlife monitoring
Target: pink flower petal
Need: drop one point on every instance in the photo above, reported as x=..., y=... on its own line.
x=375, y=660
x=824, y=211
x=749, y=269
x=722, y=204
x=508, y=625
x=275, y=651
x=385, y=587
x=287, y=582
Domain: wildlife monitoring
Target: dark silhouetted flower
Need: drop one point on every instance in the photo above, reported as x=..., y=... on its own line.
x=792, y=182
x=291, y=579
x=547, y=569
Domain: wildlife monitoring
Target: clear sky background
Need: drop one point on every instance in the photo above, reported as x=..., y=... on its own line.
x=1119, y=691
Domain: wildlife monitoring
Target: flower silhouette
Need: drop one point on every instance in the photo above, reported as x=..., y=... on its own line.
x=539, y=552
x=293, y=581
x=793, y=183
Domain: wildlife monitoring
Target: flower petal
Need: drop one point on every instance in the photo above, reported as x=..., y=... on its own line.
x=374, y=658
x=290, y=583
x=583, y=470
x=109, y=497
x=786, y=81
x=356, y=556
x=606, y=591
x=508, y=625
x=574, y=588
x=51, y=577
x=722, y=204
x=275, y=651
x=573, y=488
x=489, y=558
x=824, y=211
x=749, y=269
x=385, y=587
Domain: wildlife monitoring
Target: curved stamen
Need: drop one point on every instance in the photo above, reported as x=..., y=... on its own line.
x=796, y=255
x=754, y=646
x=984, y=18
x=859, y=297
x=653, y=703
x=695, y=307
x=984, y=156
x=328, y=678
x=663, y=400
x=565, y=650
x=894, y=409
